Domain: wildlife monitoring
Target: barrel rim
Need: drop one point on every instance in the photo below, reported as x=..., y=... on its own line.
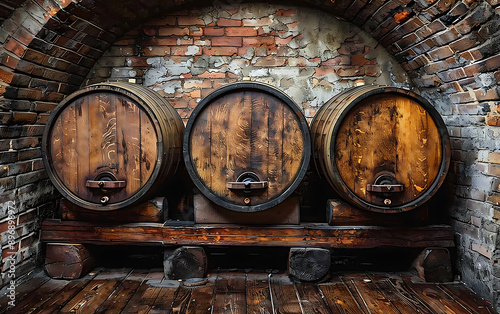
x=306, y=138
x=119, y=89
x=445, y=147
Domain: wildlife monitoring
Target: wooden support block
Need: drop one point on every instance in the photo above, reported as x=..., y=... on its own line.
x=185, y=262
x=309, y=264
x=340, y=213
x=153, y=210
x=434, y=265
x=285, y=213
x=67, y=261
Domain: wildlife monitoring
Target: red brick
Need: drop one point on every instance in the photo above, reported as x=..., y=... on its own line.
x=156, y=51
x=285, y=12
x=350, y=71
x=23, y=36
x=138, y=62
x=189, y=20
x=446, y=37
x=463, y=43
x=9, y=60
x=228, y=22
x=283, y=41
x=185, y=51
x=270, y=61
x=15, y=47
x=241, y=31
x=490, y=94
x=227, y=41
x=220, y=51
x=6, y=75
x=173, y=31
x=407, y=41
x=478, y=16
x=441, y=53
x=259, y=41
x=195, y=31
x=149, y=31
x=359, y=60
x=322, y=71
x=213, y=31
x=338, y=60
x=430, y=29
x=210, y=75
x=452, y=75
x=372, y=70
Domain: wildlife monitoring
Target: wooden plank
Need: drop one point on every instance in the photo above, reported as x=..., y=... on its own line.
x=128, y=137
x=259, y=140
x=68, y=117
x=340, y=299
x=200, y=143
x=258, y=293
x=230, y=293
x=275, y=157
x=165, y=301
x=119, y=298
x=284, y=296
x=222, y=134
x=22, y=290
x=369, y=293
x=437, y=299
x=399, y=295
x=181, y=301
x=57, y=301
x=144, y=297
x=82, y=146
x=304, y=235
x=293, y=147
x=148, y=142
x=96, y=292
x=310, y=298
x=466, y=297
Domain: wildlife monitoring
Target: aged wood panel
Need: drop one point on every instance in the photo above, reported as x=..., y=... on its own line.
x=93, y=295
x=111, y=132
x=201, y=297
x=230, y=294
x=310, y=299
x=238, y=133
x=340, y=299
x=382, y=149
x=142, y=301
x=67, y=261
x=284, y=295
x=119, y=298
x=304, y=235
x=258, y=293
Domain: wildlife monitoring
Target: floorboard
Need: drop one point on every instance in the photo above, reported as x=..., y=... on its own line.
x=108, y=290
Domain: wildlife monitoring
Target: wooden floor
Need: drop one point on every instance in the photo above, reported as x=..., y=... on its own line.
x=107, y=290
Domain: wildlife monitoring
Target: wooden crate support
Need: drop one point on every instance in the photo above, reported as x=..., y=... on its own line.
x=67, y=261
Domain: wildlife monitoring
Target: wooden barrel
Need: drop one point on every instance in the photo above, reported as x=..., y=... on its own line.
x=247, y=146
x=381, y=148
x=111, y=145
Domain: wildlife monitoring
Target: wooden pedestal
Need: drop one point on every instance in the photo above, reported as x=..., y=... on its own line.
x=67, y=261
x=153, y=210
x=285, y=213
x=340, y=213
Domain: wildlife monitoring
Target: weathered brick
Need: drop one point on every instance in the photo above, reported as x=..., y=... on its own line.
x=189, y=21
x=173, y=31
x=270, y=61
x=227, y=41
x=464, y=43
x=259, y=41
x=241, y=31
x=228, y=22
x=29, y=153
x=430, y=29
x=446, y=37
x=220, y=51
x=346, y=71
x=213, y=31
x=15, y=47
x=19, y=117
x=478, y=16
x=440, y=53
x=408, y=41
x=264, y=21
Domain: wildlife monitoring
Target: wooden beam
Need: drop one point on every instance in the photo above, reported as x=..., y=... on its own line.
x=304, y=235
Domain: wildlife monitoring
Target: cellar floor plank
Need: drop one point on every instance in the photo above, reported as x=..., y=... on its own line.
x=112, y=290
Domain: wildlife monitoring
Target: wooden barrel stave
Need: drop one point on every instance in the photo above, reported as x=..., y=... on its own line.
x=237, y=133
x=404, y=139
x=112, y=131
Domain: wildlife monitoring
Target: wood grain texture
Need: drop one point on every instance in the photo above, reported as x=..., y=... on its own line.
x=372, y=132
x=230, y=294
x=111, y=132
x=304, y=235
x=246, y=131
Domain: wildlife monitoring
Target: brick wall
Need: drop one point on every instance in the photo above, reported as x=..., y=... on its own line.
x=449, y=49
x=307, y=54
